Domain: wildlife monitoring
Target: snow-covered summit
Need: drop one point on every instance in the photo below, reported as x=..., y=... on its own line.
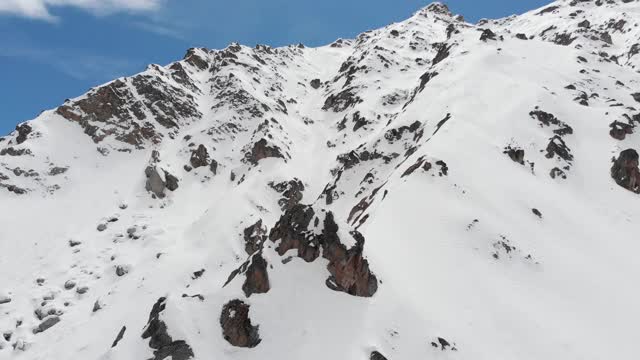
x=431, y=189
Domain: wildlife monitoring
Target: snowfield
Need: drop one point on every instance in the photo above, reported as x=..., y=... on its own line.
x=433, y=189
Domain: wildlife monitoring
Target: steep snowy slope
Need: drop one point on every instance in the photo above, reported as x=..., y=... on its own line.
x=433, y=189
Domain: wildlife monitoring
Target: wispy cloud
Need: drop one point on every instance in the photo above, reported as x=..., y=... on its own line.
x=41, y=9
x=77, y=66
x=161, y=28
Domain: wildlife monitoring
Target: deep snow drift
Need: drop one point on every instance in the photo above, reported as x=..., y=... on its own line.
x=433, y=189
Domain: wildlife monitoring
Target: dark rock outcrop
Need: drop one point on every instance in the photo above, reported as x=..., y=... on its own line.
x=199, y=157
x=342, y=100
x=376, y=356
x=620, y=130
x=558, y=147
x=156, y=184
x=257, y=277
x=291, y=192
x=261, y=150
x=517, y=155
x=349, y=271
x=236, y=325
x=23, y=131
x=625, y=170
x=171, y=182
x=254, y=237
x=47, y=324
x=119, y=337
x=487, y=34
x=315, y=83
x=159, y=340
x=556, y=172
x=292, y=231
x=547, y=119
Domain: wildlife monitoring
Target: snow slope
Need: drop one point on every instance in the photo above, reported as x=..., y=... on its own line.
x=433, y=189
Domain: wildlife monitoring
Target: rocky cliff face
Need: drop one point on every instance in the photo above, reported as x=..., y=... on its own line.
x=430, y=189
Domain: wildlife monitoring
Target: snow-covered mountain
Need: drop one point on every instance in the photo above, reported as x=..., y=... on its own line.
x=433, y=189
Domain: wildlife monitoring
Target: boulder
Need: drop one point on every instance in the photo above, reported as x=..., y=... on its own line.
x=625, y=170
x=315, y=83
x=155, y=183
x=170, y=181
x=257, y=278
x=236, y=325
x=199, y=157
x=47, y=324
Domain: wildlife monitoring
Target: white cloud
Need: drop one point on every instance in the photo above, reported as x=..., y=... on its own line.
x=40, y=9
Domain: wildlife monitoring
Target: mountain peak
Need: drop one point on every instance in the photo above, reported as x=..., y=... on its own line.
x=439, y=9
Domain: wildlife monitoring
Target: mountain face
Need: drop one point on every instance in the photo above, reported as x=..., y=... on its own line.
x=430, y=190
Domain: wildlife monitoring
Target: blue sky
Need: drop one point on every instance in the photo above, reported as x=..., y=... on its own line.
x=52, y=52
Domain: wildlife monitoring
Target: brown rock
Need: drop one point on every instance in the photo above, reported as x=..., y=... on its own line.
x=236, y=325
x=625, y=170
x=257, y=277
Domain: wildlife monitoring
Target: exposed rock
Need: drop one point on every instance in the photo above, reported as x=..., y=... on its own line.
x=536, y=212
x=625, y=170
x=342, y=100
x=557, y=172
x=58, y=170
x=47, y=324
x=558, y=147
x=155, y=183
x=413, y=167
x=350, y=272
x=636, y=96
x=564, y=39
x=315, y=83
x=96, y=306
x=257, y=277
x=292, y=232
x=82, y=290
x=547, y=119
x=291, y=192
x=236, y=325
x=23, y=131
x=261, y=151
x=11, y=151
x=159, y=339
x=442, y=52
x=487, y=34
x=171, y=181
x=397, y=134
x=254, y=237
x=517, y=155
x=199, y=157
x=4, y=299
x=119, y=336
x=121, y=270
x=213, y=167
x=376, y=356
x=521, y=36
x=69, y=284
x=101, y=227
x=620, y=130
